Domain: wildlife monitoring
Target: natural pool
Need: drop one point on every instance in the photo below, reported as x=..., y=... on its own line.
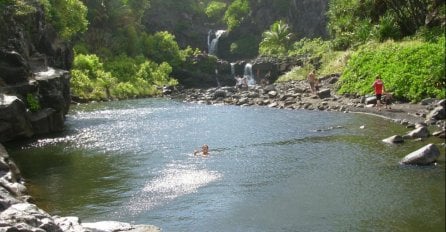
x=269, y=170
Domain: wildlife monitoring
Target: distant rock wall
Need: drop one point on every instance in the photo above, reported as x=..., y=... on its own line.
x=307, y=18
x=34, y=86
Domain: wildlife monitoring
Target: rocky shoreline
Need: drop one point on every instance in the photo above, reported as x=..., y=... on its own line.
x=421, y=118
x=296, y=95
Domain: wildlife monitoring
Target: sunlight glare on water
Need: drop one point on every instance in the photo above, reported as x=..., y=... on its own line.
x=268, y=170
x=174, y=181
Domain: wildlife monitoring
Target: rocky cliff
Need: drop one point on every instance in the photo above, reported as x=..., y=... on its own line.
x=307, y=18
x=34, y=86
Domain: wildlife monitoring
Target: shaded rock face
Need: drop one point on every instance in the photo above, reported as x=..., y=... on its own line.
x=265, y=70
x=28, y=48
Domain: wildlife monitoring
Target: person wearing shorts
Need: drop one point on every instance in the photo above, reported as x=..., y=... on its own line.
x=378, y=86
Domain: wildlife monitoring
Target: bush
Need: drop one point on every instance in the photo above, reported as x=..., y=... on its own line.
x=296, y=74
x=276, y=41
x=32, y=102
x=215, y=9
x=69, y=17
x=236, y=13
x=311, y=49
x=412, y=70
x=162, y=47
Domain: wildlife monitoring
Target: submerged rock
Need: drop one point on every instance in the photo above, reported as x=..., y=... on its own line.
x=423, y=156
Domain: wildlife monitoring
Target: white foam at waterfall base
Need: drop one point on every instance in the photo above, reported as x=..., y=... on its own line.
x=248, y=74
x=172, y=183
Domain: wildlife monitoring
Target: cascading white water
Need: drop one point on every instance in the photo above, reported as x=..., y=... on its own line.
x=213, y=43
x=233, y=69
x=248, y=74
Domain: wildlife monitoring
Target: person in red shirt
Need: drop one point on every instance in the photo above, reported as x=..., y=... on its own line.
x=378, y=86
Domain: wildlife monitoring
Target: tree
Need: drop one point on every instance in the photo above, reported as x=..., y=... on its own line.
x=69, y=17
x=236, y=13
x=277, y=40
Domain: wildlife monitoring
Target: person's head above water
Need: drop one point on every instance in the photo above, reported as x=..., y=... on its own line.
x=205, y=149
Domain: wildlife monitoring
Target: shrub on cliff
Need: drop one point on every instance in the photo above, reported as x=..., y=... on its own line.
x=125, y=77
x=69, y=17
x=412, y=70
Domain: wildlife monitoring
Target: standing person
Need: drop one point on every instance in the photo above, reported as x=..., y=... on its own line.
x=238, y=82
x=312, y=80
x=378, y=86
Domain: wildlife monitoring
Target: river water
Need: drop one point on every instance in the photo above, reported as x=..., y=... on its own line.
x=268, y=170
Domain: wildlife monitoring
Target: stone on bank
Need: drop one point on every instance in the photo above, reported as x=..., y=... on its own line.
x=424, y=156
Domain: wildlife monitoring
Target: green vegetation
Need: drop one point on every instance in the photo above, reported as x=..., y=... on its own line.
x=411, y=70
x=276, y=40
x=352, y=23
x=32, y=102
x=69, y=17
x=392, y=38
x=119, y=55
x=215, y=9
x=125, y=77
x=236, y=13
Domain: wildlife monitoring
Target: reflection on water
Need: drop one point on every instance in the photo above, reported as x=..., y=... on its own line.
x=268, y=170
x=172, y=182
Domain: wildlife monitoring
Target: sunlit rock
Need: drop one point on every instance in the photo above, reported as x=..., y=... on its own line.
x=394, y=139
x=423, y=156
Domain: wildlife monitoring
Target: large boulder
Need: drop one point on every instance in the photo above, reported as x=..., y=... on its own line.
x=324, y=93
x=439, y=113
x=54, y=89
x=14, y=120
x=423, y=156
x=420, y=132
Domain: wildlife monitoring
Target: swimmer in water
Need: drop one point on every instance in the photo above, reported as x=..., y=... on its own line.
x=204, y=150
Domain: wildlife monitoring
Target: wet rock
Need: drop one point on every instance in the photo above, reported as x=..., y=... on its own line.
x=427, y=101
x=14, y=121
x=420, y=132
x=324, y=93
x=272, y=94
x=219, y=94
x=370, y=100
x=438, y=113
x=394, y=139
x=68, y=224
x=440, y=134
x=423, y=156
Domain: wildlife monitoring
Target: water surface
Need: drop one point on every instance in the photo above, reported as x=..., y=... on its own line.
x=269, y=170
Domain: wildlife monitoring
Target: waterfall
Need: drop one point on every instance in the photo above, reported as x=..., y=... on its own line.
x=213, y=43
x=233, y=69
x=248, y=74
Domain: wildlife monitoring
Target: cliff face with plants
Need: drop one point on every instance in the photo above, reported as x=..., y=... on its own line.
x=188, y=21
x=34, y=86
